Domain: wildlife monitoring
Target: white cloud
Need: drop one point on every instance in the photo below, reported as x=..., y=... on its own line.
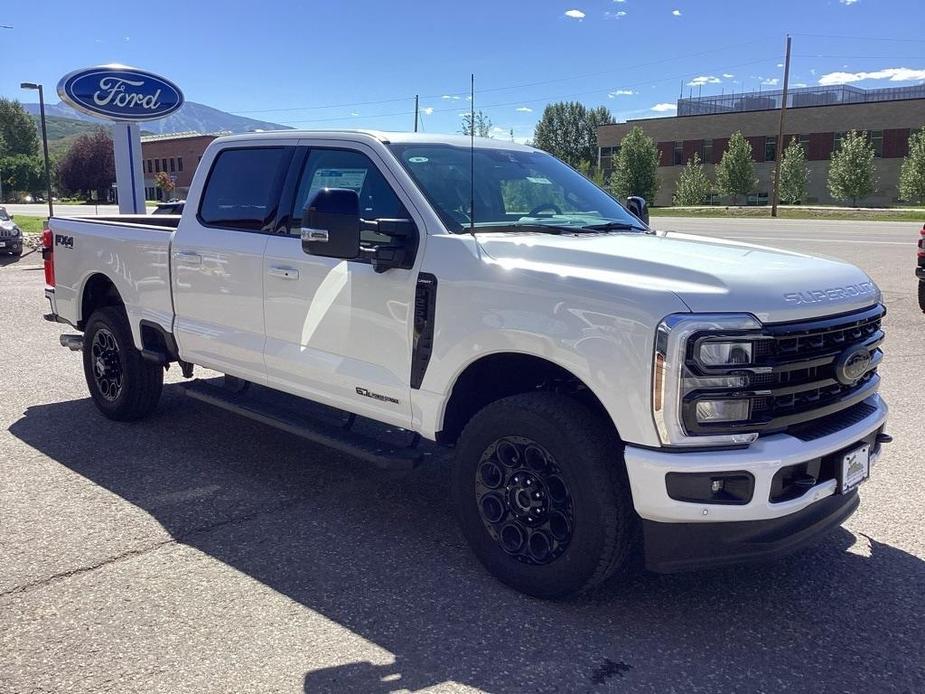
x=614, y=15
x=847, y=3
x=524, y=109
x=662, y=108
x=799, y=84
x=354, y=113
x=770, y=82
x=780, y=65
x=427, y=110
x=619, y=0
x=703, y=79
x=728, y=75
x=893, y=74
x=620, y=92
x=676, y=13
x=575, y=14
x=450, y=97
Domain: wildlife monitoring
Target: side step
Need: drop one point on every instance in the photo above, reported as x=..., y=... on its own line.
x=388, y=448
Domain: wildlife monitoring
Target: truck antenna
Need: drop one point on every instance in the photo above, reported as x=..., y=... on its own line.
x=472, y=154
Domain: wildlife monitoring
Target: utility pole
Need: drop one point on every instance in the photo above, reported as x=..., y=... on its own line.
x=780, y=133
x=416, y=112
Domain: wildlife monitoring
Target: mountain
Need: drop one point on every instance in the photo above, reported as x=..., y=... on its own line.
x=191, y=117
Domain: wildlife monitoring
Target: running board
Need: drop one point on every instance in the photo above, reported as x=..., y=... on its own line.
x=388, y=448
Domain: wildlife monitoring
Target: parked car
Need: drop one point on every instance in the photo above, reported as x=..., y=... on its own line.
x=10, y=234
x=171, y=207
x=920, y=268
x=604, y=385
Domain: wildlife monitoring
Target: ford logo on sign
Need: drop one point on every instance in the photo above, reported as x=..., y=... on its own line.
x=121, y=93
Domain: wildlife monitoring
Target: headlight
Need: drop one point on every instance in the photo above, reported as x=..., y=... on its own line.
x=716, y=343
x=16, y=231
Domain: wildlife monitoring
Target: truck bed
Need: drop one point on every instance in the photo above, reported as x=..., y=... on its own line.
x=132, y=251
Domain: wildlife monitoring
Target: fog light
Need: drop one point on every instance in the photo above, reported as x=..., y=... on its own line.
x=725, y=353
x=709, y=411
x=725, y=488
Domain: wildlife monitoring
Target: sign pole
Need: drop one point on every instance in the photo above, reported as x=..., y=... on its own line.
x=126, y=145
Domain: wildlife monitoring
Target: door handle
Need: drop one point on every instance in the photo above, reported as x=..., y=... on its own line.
x=188, y=258
x=286, y=273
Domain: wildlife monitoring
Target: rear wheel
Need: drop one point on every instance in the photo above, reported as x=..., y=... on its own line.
x=122, y=384
x=922, y=295
x=542, y=494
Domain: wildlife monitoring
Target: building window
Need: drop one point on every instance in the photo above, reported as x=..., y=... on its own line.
x=770, y=148
x=150, y=166
x=876, y=139
x=678, y=153
x=804, y=141
x=157, y=165
x=179, y=163
x=607, y=155
x=173, y=165
x=707, y=155
x=164, y=165
x=839, y=138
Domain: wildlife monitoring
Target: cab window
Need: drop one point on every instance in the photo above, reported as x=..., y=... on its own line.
x=242, y=188
x=340, y=168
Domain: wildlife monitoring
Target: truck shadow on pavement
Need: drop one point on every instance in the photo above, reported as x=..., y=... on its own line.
x=381, y=556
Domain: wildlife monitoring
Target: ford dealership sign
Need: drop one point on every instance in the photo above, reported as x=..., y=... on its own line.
x=120, y=93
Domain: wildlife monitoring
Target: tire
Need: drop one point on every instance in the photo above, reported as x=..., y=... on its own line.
x=572, y=447
x=922, y=295
x=123, y=385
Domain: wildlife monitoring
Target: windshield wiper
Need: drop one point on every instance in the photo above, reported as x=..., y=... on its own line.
x=542, y=228
x=614, y=226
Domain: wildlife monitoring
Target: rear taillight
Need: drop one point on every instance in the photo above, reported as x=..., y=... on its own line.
x=48, y=255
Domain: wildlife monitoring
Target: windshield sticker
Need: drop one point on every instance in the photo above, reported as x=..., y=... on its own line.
x=352, y=179
x=539, y=179
x=418, y=160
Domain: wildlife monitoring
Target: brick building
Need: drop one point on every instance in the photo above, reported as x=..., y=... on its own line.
x=176, y=153
x=818, y=116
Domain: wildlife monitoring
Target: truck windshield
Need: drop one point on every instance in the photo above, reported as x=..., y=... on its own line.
x=512, y=188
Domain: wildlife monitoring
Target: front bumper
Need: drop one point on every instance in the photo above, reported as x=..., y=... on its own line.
x=683, y=534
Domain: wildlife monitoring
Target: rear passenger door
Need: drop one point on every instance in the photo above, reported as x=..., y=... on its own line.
x=217, y=261
x=338, y=332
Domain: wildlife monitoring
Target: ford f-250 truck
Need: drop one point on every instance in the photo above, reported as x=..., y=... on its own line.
x=604, y=385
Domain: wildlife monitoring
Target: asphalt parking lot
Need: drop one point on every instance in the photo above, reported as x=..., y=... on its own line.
x=196, y=551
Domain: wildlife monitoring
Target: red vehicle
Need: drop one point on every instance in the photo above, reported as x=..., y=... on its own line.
x=920, y=269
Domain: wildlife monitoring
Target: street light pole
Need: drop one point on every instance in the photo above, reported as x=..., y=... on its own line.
x=33, y=85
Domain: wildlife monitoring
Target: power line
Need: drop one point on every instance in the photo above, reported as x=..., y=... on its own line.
x=861, y=38
x=526, y=101
x=522, y=85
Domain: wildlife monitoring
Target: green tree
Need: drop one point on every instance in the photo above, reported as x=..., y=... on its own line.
x=483, y=124
x=568, y=130
x=22, y=173
x=17, y=128
x=735, y=173
x=88, y=165
x=693, y=184
x=851, y=173
x=635, y=169
x=793, y=173
x=912, y=174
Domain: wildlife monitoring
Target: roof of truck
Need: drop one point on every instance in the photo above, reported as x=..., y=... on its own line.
x=383, y=136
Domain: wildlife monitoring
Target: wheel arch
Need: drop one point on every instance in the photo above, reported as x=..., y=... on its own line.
x=490, y=377
x=98, y=291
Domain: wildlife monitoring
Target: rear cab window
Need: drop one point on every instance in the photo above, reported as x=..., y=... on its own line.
x=242, y=189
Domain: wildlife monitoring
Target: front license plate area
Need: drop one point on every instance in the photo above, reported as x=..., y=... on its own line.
x=855, y=468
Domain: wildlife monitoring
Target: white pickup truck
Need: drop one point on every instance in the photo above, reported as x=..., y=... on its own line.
x=604, y=385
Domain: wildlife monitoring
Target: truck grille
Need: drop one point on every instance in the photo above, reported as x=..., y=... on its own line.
x=794, y=375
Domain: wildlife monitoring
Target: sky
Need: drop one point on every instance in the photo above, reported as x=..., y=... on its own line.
x=359, y=63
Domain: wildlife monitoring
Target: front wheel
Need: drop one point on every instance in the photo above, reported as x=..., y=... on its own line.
x=542, y=494
x=123, y=385
x=922, y=295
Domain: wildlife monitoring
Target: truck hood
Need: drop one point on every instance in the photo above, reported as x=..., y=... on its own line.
x=708, y=274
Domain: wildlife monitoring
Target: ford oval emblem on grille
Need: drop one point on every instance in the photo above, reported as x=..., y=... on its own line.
x=852, y=364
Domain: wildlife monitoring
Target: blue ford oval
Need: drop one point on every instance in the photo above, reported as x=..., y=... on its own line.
x=121, y=93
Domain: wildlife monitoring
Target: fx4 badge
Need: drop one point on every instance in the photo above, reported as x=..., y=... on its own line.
x=62, y=240
x=375, y=396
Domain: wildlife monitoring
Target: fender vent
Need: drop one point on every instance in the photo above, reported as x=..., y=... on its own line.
x=425, y=301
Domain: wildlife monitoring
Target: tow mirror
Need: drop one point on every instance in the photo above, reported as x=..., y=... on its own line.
x=331, y=224
x=637, y=205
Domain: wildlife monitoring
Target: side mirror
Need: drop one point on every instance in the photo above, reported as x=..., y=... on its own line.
x=331, y=224
x=637, y=205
